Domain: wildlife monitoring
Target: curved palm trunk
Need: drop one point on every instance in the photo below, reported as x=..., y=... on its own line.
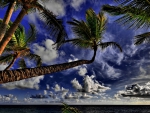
x=19, y=74
x=11, y=64
x=6, y=19
x=11, y=30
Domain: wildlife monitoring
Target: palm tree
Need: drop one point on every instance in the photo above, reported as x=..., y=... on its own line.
x=18, y=48
x=133, y=13
x=54, y=24
x=89, y=34
x=11, y=5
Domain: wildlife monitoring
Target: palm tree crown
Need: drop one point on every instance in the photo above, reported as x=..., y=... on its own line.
x=135, y=14
x=18, y=48
x=89, y=33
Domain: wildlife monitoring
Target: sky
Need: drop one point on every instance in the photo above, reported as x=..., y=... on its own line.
x=103, y=81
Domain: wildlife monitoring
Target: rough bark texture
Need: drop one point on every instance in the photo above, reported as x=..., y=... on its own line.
x=11, y=30
x=19, y=74
x=6, y=19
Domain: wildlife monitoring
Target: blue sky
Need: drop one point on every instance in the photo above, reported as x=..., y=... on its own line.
x=108, y=74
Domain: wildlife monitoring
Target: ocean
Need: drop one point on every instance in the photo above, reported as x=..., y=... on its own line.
x=82, y=108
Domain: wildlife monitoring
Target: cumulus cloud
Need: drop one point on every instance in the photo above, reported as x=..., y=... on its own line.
x=56, y=6
x=89, y=85
x=47, y=87
x=10, y=98
x=76, y=4
x=136, y=90
x=57, y=88
x=82, y=71
x=32, y=83
x=76, y=84
x=45, y=92
x=46, y=51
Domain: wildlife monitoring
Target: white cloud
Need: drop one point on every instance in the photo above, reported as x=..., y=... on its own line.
x=47, y=53
x=2, y=67
x=56, y=6
x=111, y=71
x=57, y=88
x=89, y=85
x=82, y=71
x=47, y=87
x=45, y=92
x=137, y=90
x=76, y=84
x=130, y=49
x=76, y=4
x=32, y=83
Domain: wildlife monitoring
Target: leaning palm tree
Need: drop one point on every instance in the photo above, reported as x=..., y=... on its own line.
x=54, y=24
x=18, y=48
x=134, y=14
x=89, y=34
x=11, y=6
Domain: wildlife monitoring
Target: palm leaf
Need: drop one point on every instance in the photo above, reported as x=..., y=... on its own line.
x=6, y=58
x=91, y=19
x=131, y=16
x=81, y=29
x=107, y=44
x=4, y=3
x=80, y=42
x=36, y=58
x=31, y=34
x=54, y=25
x=96, y=23
x=145, y=37
x=22, y=63
x=68, y=109
x=141, y=4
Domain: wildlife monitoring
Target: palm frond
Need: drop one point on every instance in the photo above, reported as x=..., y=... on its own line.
x=131, y=16
x=22, y=63
x=54, y=25
x=141, y=4
x=68, y=109
x=81, y=43
x=96, y=23
x=107, y=44
x=4, y=3
x=142, y=38
x=31, y=34
x=81, y=29
x=36, y=58
x=6, y=58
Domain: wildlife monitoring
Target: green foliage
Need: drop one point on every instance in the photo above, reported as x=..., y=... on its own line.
x=134, y=14
x=54, y=25
x=19, y=44
x=89, y=33
x=108, y=44
x=68, y=109
x=145, y=37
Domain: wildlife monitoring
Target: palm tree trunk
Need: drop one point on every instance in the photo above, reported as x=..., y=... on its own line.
x=19, y=74
x=11, y=64
x=6, y=19
x=11, y=30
